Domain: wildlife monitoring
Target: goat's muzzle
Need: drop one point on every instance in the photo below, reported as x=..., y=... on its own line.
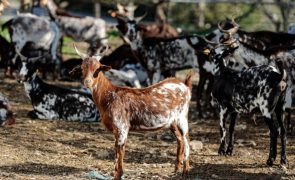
x=88, y=82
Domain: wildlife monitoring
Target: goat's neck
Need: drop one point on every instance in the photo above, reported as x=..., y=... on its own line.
x=137, y=43
x=32, y=85
x=101, y=87
x=249, y=56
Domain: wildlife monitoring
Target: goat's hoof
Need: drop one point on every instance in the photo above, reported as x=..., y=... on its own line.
x=177, y=169
x=269, y=162
x=32, y=115
x=185, y=173
x=221, y=152
x=229, y=152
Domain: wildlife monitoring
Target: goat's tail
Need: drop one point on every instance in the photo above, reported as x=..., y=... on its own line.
x=6, y=24
x=188, y=79
x=283, y=73
x=283, y=79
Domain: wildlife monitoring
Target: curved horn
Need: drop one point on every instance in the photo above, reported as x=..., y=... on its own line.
x=221, y=29
x=234, y=22
x=82, y=55
x=137, y=19
x=229, y=31
x=210, y=42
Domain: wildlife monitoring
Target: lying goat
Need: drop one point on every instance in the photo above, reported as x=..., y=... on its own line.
x=260, y=88
x=6, y=115
x=163, y=105
x=53, y=102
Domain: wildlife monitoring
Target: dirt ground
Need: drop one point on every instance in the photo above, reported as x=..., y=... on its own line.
x=39, y=149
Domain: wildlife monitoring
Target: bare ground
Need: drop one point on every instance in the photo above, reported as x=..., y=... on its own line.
x=39, y=149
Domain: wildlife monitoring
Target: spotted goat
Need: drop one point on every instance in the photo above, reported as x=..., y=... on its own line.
x=29, y=28
x=53, y=102
x=122, y=109
x=261, y=88
x=247, y=55
x=158, y=55
x=260, y=40
x=84, y=29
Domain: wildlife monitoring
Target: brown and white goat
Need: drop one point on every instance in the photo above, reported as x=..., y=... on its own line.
x=162, y=105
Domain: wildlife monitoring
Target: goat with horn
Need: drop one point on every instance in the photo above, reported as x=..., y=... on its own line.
x=122, y=109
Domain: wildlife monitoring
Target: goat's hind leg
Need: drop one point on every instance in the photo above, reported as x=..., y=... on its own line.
x=179, y=159
x=183, y=127
x=279, y=110
x=273, y=140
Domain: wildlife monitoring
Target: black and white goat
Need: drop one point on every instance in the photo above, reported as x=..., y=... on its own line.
x=53, y=102
x=246, y=56
x=83, y=29
x=260, y=88
x=158, y=55
x=27, y=27
x=6, y=114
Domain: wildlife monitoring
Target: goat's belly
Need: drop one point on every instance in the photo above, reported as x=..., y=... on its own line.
x=151, y=124
x=43, y=111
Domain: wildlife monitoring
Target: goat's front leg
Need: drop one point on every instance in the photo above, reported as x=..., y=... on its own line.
x=273, y=141
x=121, y=138
x=223, y=117
x=230, y=147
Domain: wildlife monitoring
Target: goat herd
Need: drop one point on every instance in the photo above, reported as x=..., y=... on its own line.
x=246, y=72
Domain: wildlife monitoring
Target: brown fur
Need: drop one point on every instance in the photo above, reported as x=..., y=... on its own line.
x=124, y=108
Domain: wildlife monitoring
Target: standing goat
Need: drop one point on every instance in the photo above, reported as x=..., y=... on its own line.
x=88, y=29
x=246, y=55
x=163, y=105
x=29, y=28
x=260, y=88
x=158, y=55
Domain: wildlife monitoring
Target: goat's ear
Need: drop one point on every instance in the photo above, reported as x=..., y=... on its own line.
x=101, y=68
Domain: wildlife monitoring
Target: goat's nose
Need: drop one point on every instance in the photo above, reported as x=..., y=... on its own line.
x=87, y=81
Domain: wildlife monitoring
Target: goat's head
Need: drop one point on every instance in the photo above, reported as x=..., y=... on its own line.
x=28, y=67
x=129, y=28
x=122, y=10
x=218, y=54
x=91, y=67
